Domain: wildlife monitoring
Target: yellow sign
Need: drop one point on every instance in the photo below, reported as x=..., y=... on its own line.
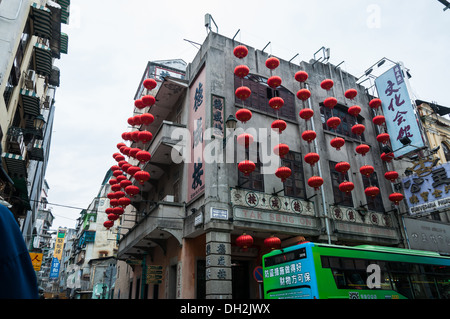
x=36, y=260
x=59, y=244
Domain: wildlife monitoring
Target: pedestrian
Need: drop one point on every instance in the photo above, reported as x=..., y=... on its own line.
x=17, y=276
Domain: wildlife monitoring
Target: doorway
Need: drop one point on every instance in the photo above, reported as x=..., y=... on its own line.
x=240, y=282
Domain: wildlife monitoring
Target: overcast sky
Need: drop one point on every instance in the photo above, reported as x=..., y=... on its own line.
x=110, y=43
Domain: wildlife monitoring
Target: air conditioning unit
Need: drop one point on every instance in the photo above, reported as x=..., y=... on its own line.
x=30, y=79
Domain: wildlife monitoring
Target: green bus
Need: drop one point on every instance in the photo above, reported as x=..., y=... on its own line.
x=320, y=271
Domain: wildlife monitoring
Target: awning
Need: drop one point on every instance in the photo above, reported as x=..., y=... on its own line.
x=55, y=41
x=64, y=43
x=31, y=102
x=42, y=20
x=65, y=12
x=43, y=56
x=16, y=165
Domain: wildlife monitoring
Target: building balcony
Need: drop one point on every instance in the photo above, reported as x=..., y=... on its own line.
x=36, y=150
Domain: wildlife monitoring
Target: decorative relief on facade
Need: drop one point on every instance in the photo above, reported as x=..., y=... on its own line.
x=352, y=215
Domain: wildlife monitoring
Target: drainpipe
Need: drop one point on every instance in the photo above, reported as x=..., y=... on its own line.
x=325, y=211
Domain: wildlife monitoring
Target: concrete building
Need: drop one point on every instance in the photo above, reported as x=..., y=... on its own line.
x=179, y=235
x=30, y=40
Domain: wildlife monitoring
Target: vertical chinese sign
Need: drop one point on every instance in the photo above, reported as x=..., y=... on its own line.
x=401, y=120
x=57, y=253
x=197, y=120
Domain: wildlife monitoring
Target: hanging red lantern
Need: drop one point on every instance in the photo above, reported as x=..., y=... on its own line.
x=240, y=51
x=113, y=202
x=139, y=104
x=115, y=168
x=309, y=136
x=387, y=157
x=145, y=136
x=281, y=150
x=241, y=71
x=333, y=122
x=243, y=93
x=342, y=167
x=120, y=145
x=142, y=176
x=148, y=100
x=337, y=143
x=149, y=84
x=330, y=102
x=351, y=94
x=279, y=126
x=119, y=194
x=119, y=158
x=358, y=129
x=115, y=155
x=243, y=115
x=121, y=163
x=109, y=210
x=301, y=76
x=113, y=217
x=366, y=170
x=134, y=151
x=396, y=198
x=306, y=113
x=375, y=103
x=272, y=63
x=276, y=103
x=362, y=149
x=147, y=118
x=372, y=191
x=379, y=120
x=132, y=190
x=126, y=182
x=118, y=211
x=272, y=242
x=116, y=187
x=391, y=176
x=133, y=169
x=327, y=84
x=245, y=139
x=312, y=158
x=244, y=241
x=346, y=187
x=303, y=94
x=125, y=150
x=135, y=136
x=137, y=120
x=143, y=156
x=316, y=182
x=126, y=136
x=274, y=81
x=354, y=110
x=383, y=138
x=108, y=224
x=131, y=121
x=124, y=201
x=113, y=181
x=121, y=178
x=283, y=173
x=246, y=167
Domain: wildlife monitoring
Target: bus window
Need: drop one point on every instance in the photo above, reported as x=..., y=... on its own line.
x=443, y=286
x=402, y=285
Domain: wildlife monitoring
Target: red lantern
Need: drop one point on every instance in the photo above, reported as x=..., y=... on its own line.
x=276, y=103
x=113, y=202
x=243, y=93
x=358, y=129
x=143, y=156
x=241, y=71
x=119, y=194
x=126, y=136
x=115, y=187
x=126, y=150
x=139, y=104
x=316, y=182
x=330, y=102
x=121, y=163
x=383, y=138
x=333, y=122
x=312, y=158
x=342, y=167
x=372, y=191
x=119, y=158
x=149, y=84
x=244, y=241
x=118, y=210
x=351, y=94
x=141, y=177
x=131, y=121
x=120, y=145
x=113, y=217
x=126, y=182
x=245, y=139
x=375, y=103
x=303, y=94
x=108, y=224
x=281, y=150
x=396, y=198
x=243, y=115
x=272, y=63
x=346, y=187
x=274, y=81
x=283, y=173
x=134, y=151
x=246, y=167
x=124, y=201
x=115, y=168
x=132, y=190
x=135, y=136
x=337, y=143
x=309, y=136
x=362, y=149
x=121, y=178
x=366, y=170
x=240, y=51
x=379, y=120
x=306, y=113
x=148, y=100
x=145, y=136
x=272, y=242
x=301, y=76
x=279, y=126
x=391, y=176
x=354, y=110
x=327, y=84
x=147, y=118
x=109, y=210
x=113, y=181
x=133, y=169
x=387, y=157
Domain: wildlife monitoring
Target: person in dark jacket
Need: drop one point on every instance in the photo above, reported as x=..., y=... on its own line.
x=17, y=276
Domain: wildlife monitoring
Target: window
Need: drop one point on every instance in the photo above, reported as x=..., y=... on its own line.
x=340, y=198
x=295, y=185
x=373, y=203
x=255, y=180
x=347, y=120
x=262, y=93
x=446, y=152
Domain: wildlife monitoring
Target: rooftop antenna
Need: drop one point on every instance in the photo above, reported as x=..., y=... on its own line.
x=208, y=20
